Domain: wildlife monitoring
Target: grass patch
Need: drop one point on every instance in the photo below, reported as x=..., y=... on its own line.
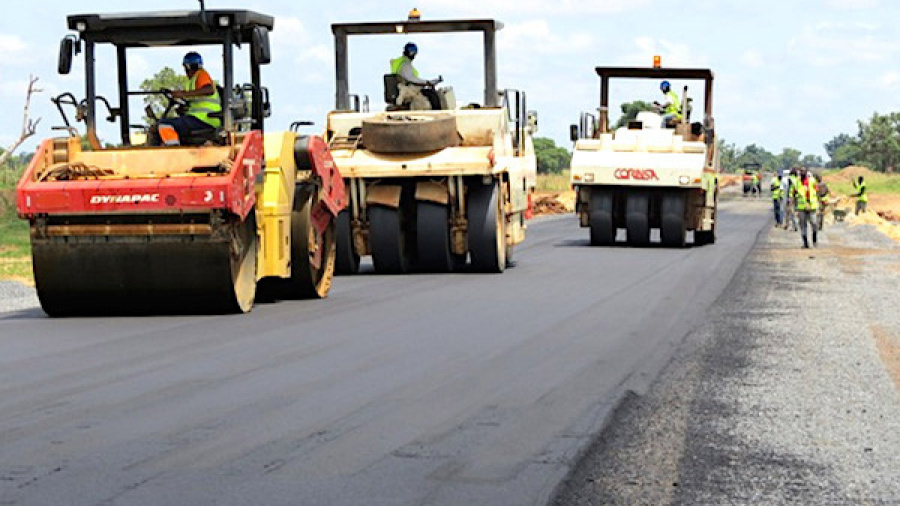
x=876, y=182
x=15, y=244
x=553, y=182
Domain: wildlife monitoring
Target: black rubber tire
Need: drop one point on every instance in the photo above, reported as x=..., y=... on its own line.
x=487, y=228
x=306, y=281
x=390, y=245
x=672, y=231
x=603, y=230
x=433, y=241
x=149, y=277
x=637, y=218
x=409, y=132
x=347, y=261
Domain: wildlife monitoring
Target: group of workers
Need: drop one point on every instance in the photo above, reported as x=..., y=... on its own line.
x=800, y=197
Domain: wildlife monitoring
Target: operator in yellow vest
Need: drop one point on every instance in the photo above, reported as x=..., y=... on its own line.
x=202, y=98
x=862, y=196
x=413, y=88
x=777, y=197
x=670, y=107
x=807, y=198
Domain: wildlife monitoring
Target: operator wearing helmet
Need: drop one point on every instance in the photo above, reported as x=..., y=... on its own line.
x=203, y=100
x=418, y=93
x=671, y=106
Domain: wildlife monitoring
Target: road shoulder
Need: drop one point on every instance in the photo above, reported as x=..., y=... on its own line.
x=788, y=394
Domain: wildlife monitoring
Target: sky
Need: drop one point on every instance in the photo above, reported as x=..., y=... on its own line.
x=787, y=73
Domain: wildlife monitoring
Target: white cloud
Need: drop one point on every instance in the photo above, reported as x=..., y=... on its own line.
x=889, y=80
x=847, y=5
x=535, y=36
x=291, y=39
x=817, y=93
x=673, y=54
x=15, y=88
x=543, y=7
x=834, y=43
x=12, y=50
x=752, y=59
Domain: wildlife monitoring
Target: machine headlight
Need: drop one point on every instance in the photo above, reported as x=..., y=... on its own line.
x=588, y=177
x=684, y=180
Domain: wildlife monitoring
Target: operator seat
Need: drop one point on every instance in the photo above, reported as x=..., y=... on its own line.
x=200, y=136
x=392, y=91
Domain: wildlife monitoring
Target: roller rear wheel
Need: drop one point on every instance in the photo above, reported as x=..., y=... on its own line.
x=487, y=228
x=433, y=238
x=387, y=235
x=672, y=230
x=637, y=218
x=347, y=261
x=603, y=230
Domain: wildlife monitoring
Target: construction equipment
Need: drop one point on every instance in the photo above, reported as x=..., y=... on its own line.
x=429, y=187
x=751, y=186
x=646, y=175
x=139, y=229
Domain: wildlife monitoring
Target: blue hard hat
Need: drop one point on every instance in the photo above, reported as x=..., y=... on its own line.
x=410, y=48
x=192, y=58
x=664, y=85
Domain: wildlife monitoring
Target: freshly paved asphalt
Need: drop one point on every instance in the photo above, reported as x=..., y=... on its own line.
x=419, y=389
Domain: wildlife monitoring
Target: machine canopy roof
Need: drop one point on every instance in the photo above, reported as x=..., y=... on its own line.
x=170, y=28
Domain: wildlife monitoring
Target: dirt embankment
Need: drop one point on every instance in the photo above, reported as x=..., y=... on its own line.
x=884, y=203
x=554, y=202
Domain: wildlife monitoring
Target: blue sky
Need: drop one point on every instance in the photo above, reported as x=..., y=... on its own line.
x=788, y=74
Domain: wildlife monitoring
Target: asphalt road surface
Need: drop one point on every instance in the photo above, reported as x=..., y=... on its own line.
x=419, y=389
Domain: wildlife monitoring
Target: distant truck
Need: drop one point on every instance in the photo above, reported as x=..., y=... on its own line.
x=642, y=175
x=751, y=187
x=430, y=189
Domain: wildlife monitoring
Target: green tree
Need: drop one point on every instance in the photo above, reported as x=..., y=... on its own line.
x=550, y=157
x=879, y=141
x=630, y=111
x=757, y=154
x=836, y=145
x=788, y=159
x=728, y=156
x=812, y=162
x=165, y=78
x=846, y=155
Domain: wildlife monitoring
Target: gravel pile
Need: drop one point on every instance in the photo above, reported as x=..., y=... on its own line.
x=787, y=395
x=15, y=296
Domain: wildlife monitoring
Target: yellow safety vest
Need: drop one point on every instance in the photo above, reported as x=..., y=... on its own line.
x=397, y=64
x=674, y=106
x=201, y=107
x=807, y=196
x=861, y=190
x=777, y=192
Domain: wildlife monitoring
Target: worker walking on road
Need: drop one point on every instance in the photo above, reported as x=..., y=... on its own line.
x=862, y=197
x=790, y=206
x=756, y=187
x=777, y=198
x=807, y=198
x=824, y=200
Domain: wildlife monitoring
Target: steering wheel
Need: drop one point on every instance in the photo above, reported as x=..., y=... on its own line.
x=171, y=102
